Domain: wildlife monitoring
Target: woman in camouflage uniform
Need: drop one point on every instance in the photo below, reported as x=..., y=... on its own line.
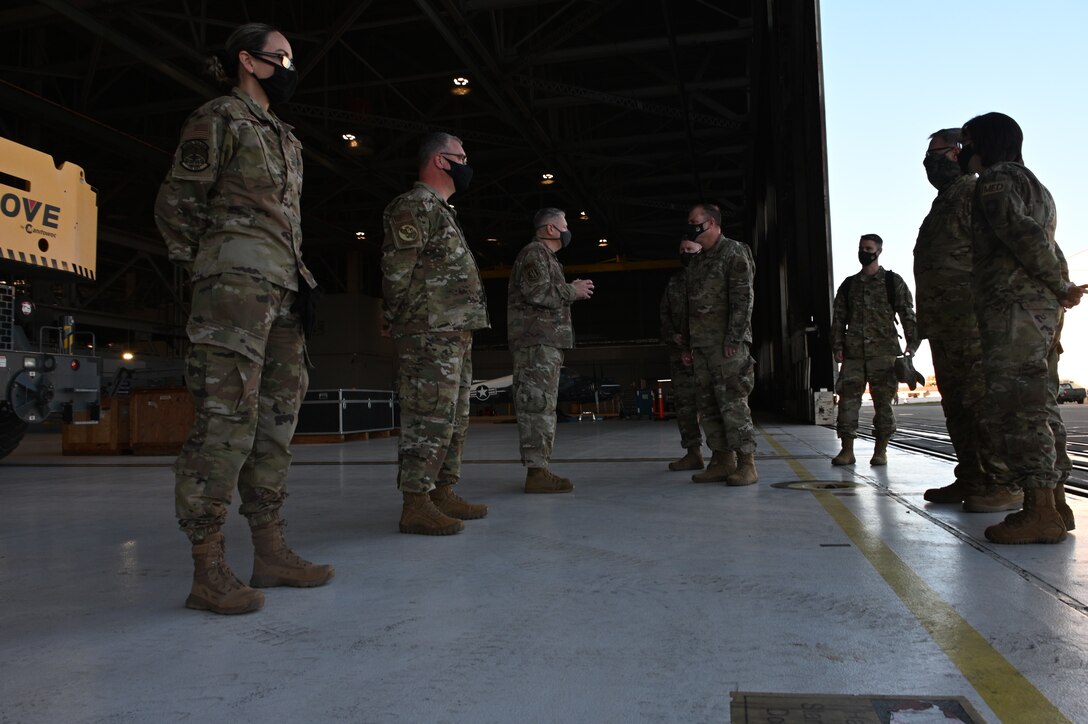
x=229, y=212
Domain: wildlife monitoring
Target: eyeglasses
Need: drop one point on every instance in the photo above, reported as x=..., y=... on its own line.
x=280, y=59
x=462, y=158
x=940, y=151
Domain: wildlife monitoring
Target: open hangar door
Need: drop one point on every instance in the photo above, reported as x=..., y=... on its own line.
x=634, y=109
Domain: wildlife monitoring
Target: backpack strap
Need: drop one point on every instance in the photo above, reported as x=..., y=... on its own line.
x=889, y=284
x=890, y=278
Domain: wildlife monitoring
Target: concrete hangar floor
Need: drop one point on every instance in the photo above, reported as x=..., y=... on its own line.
x=640, y=597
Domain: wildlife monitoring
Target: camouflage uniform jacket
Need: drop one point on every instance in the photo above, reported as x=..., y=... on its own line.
x=230, y=204
x=538, y=300
x=430, y=280
x=674, y=312
x=942, y=264
x=1016, y=259
x=863, y=323
x=720, y=295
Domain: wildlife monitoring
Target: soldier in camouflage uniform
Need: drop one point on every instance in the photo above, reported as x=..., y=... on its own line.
x=1020, y=282
x=675, y=336
x=538, y=328
x=434, y=299
x=946, y=317
x=720, y=302
x=864, y=340
x=229, y=212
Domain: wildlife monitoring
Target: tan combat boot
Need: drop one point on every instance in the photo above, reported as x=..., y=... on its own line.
x=994, y=499
x=1063, y=507
x=1039, y=522
x=542, y=480
x=692, y=461
x=957, y=492
x=419, y=515
x=453, y=505
x=722, y=464
x=745, y=474
x=846, y=455
x=275, y=564
x=880, y=452
x=215, y=587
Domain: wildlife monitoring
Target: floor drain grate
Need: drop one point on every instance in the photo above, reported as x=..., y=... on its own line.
x=817, y=485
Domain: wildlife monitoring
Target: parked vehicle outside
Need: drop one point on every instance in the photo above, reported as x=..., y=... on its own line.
x=1068, y=393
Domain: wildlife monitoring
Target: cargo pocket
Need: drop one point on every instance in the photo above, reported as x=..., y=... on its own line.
x=530, y=398
x=423, y=397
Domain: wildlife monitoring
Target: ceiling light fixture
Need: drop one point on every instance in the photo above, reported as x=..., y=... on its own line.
x=350, y=138
x=547, y=179
x=602, y=242
x=583, y=216
x=360, y=235
x=460, y=86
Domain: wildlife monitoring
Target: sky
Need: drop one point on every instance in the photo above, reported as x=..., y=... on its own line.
x=895, y=72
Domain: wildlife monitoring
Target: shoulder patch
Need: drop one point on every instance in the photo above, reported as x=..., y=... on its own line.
x=534, y=273
x=405, y=229
x=994, y=187
x=408, y=232
x=193, y=155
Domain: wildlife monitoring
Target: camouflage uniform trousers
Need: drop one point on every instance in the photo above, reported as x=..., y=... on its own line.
x=723, y=386
x=434, y=384
x=536, y=389
x=248, y=376
x=685, y=396
x=1019, y=357
x=957, y=363
x=1062, y=463
x=879, y=373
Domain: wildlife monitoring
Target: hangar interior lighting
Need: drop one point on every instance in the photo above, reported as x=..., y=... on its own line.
x=460, y=86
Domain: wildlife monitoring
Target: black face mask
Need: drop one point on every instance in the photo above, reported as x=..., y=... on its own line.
x=941, y=171
x=564, y=236
x=686, y=257
x=280, y=86
x=693, y=230
x=966, y=152
x=461, y=173
x=866, y=257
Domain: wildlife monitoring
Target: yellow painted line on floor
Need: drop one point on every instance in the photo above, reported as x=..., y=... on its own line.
x=1008, y=692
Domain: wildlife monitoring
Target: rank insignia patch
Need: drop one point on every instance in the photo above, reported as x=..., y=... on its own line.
x=194, y=155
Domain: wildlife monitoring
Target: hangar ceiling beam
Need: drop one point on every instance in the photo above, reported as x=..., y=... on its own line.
x=487, y=72
x=147, y=56
x=341, y=26
x=654, y=109
x=19, y=100
x=632, y=47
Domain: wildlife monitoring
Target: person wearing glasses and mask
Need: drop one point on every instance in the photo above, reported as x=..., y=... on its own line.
x=1021, y=285
x=677, y=339
x=946, y=317
x=229, y=212
x=866, y=343
x=433, y=301
x=720, y=302
x=538, y=328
